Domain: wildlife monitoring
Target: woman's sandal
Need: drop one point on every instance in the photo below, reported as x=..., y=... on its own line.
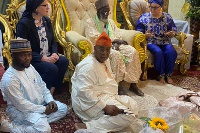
x=161, y=79
x=169, y=79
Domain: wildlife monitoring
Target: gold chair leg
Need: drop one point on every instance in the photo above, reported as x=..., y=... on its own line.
x=182, y=68
x=144, y=67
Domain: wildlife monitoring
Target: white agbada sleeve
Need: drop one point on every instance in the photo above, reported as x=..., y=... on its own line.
x=45, y=91
x=14, y=94
x=88, y=100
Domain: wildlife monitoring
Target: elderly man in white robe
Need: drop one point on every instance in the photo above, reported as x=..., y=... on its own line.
x=31, y=106
x=124, y=58
x=95, y=96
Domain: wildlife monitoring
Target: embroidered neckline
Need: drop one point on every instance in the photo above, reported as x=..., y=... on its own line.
x=38, y=21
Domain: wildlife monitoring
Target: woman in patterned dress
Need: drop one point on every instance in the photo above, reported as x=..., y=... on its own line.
x=159, y=28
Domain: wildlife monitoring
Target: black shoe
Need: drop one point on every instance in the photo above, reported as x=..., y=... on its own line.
x=121, y=90
x=136, y=90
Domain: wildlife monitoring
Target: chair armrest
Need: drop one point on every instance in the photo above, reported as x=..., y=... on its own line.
x=75, y=38
x=70, y=41
x=7, y=36
x=181, y=38
x=125, y=12
x=137, y=40
x=80, y=42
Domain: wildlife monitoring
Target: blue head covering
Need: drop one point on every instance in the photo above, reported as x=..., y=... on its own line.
x=159, y=2
x=31, y=6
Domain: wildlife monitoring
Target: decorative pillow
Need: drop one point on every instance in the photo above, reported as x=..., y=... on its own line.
x=137, y=8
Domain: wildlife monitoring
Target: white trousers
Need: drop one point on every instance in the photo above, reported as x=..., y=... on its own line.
x=108, y=123
x=128, y=70
x=34, y=122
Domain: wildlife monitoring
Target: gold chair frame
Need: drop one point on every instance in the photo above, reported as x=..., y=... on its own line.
x=11, y=18
x=139, y=40
x=10, y=21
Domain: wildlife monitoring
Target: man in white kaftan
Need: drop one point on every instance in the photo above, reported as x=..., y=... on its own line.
x=27, y=95
x=125, y=63
x=94, y=88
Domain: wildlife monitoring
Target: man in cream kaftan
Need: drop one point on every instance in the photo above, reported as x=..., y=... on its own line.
x=27, y=95
x=128, y=69
x=125, y=62
x=93, y=89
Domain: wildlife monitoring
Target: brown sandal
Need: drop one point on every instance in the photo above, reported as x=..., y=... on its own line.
x=169, y=79
x=161, y=79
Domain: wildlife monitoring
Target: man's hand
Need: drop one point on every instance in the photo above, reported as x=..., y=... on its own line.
x=117, y=42
x=51, y=108
x=111, y=110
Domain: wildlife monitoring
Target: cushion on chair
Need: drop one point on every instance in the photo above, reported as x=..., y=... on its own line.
x=137, y=8
x=73, y=36
x=128, y=35
x=81, y=10
x=180, y=54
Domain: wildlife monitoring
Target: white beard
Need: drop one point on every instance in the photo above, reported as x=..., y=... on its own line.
x=103, y=19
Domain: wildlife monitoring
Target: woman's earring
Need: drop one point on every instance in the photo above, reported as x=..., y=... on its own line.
x=36, y=12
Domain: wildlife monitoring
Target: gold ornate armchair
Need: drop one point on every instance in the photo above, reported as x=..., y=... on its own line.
x=7, y=36
x=13, y=14
x=132, y=9
x=74, y=14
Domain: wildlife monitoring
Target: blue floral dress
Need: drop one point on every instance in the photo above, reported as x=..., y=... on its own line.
x=160, y=45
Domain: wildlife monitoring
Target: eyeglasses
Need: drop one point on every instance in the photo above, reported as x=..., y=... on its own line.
x=105, y=12
x=154, y=7
x=46, y=5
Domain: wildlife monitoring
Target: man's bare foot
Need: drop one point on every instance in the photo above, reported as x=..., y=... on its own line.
x=78, y=126
x=136, y=90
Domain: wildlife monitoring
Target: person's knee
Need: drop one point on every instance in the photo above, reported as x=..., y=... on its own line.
x=64, y=61
x=116, y=54
x=171, y=53
x=53, y=69
x=62, y=109
x=158, y=53
x=47, y=129
x=44, y=130
x=42, y=126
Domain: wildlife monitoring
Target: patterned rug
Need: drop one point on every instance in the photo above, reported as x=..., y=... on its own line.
x=66, y=125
